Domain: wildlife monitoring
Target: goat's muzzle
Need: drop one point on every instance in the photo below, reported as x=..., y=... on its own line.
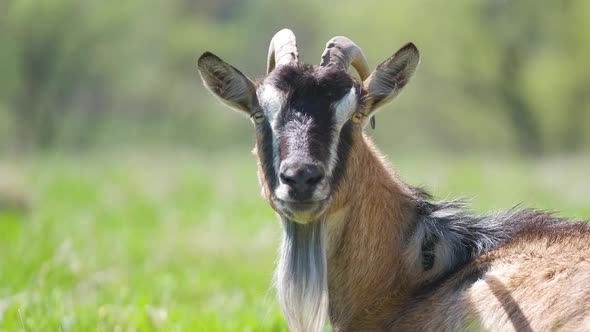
x=302, y=192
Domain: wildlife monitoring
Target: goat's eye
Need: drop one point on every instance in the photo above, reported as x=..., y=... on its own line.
x=357, y=117
x=257, y=117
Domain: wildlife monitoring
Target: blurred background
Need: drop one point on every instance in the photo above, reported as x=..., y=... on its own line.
x=128, y=195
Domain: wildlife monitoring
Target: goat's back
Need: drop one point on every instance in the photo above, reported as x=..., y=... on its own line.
x=538, y=281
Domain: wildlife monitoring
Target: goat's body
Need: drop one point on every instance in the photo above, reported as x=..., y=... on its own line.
x=536, y=282
x=397, y=262
x=369, y=251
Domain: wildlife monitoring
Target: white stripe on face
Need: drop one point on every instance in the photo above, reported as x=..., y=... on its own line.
x=344, y=108
x=272, y=101
x=342, y=111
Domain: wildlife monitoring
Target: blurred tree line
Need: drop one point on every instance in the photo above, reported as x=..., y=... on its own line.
x=496, y=75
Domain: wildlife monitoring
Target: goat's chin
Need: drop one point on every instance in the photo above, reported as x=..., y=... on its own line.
x=304, y=217
x=301, y=213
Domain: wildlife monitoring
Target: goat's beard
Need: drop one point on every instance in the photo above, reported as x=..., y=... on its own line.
x=301, y=276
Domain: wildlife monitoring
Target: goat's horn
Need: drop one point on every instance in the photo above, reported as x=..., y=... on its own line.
x=343, y=52
x=282, y=50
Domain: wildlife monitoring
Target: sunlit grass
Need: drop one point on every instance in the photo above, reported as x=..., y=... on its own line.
x=181, y=241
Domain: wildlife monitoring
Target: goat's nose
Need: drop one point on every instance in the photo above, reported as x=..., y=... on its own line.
x=301, y=176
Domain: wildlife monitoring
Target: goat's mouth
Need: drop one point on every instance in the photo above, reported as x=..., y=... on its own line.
x=302, y=212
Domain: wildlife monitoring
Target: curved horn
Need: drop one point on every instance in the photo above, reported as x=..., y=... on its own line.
x=343, y=52
x=282, y=50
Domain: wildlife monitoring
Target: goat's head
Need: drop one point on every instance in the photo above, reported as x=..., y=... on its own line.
x=305, y=116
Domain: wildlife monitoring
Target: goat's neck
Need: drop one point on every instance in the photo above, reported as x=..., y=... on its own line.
x=372, y=214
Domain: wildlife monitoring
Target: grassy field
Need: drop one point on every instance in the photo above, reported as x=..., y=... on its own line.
x=184, y=242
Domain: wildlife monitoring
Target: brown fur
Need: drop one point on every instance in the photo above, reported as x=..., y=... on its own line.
x=535, y=282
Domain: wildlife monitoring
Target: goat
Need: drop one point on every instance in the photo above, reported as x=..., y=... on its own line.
x=369, y=251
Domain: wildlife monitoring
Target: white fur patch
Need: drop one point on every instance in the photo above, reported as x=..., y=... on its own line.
x=272, y=101
x=301, y=277
x=344, y=108
x=342, y=111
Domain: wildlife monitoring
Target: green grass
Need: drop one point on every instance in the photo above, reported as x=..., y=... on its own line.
x=184, y=242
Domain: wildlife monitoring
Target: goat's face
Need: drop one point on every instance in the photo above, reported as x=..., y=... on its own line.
x=305, y=116
x=304, y=110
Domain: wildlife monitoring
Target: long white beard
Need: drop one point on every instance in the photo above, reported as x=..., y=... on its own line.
x=301, y=277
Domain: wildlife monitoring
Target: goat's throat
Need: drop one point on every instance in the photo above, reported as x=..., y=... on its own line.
x=301, y=276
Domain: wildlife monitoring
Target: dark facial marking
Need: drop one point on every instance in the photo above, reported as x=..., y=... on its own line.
x=343, y=151
x=265, y=153
x=311, y=93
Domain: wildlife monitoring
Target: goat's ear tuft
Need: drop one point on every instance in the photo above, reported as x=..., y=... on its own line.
x=227, y=83
x=389, y=78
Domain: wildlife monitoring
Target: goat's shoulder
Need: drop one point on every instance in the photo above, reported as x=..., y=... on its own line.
x=446, y=236
x=533, y=279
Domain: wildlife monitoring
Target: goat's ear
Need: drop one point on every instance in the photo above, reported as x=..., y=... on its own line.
x=388, y=79
x=227, y=83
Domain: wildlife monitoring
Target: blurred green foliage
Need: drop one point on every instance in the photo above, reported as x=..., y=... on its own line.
x=165, y=234
x=499, y=76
